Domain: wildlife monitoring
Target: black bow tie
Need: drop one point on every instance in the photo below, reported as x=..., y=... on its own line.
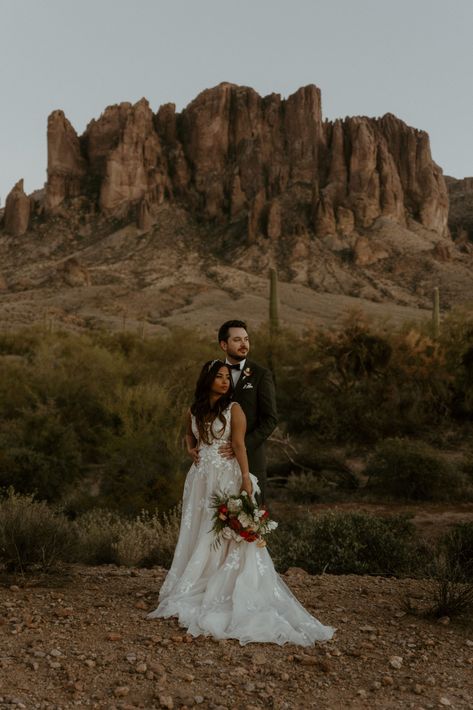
x=234, y=367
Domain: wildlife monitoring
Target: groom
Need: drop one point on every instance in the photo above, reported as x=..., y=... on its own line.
x=254, y=391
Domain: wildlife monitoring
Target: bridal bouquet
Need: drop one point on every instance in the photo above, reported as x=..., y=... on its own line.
x=239, y=518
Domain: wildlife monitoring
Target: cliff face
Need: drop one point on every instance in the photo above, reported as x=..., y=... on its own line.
x=169, y=217
x=232, y=155
x=17, y=211
x=460, y=218
x=66, y=166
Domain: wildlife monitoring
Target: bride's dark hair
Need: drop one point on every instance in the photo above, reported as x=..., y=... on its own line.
x=204, y=413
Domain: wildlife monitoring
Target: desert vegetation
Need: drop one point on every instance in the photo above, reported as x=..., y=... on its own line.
x=36, y=537
x=92, y=461
x=95, y=420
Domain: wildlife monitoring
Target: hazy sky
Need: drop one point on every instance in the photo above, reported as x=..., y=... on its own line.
x=413, y=58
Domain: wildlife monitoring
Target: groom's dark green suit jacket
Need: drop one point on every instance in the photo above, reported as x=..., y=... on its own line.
x=256, y=395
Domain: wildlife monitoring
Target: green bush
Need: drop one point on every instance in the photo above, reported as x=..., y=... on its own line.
x=144, y=454
x=458, y=549
x=102, y=413
x=149, y=540
x=450, y=591
x=104, y=537
x=414, y=471
x=97, y=531
x=348, y=543
x=96, y=418
x=359, y=385
x=32, y=534
x=39, y=452
x=452, y=574
x=306, y=487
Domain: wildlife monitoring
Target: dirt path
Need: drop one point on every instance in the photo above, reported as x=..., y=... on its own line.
x=88, y=643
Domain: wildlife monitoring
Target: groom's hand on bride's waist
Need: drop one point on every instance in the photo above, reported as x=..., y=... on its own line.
x=194, y=453
x=226, y=451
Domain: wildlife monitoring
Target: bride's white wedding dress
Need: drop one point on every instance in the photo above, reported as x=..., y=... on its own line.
x=230, y=591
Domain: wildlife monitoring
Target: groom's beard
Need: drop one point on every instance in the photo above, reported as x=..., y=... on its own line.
x=237, y=356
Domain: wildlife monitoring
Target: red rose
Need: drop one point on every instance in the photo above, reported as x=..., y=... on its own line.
x=223, y=509
x=235, y=524
x=248, y=535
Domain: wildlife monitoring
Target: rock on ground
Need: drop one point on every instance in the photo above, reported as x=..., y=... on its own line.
x=84, y=640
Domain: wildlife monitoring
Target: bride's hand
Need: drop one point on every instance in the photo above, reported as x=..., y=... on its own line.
x=246, y=486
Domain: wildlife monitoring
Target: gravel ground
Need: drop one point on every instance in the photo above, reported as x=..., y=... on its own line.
x=83, y=640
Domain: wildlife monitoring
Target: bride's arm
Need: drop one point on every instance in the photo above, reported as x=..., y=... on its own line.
x=191, y=441
x=238, y=445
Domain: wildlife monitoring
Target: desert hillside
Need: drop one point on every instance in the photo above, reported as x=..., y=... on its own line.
x=152, y=220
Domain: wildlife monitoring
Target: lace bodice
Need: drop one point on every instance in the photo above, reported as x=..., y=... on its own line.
x=219, y=432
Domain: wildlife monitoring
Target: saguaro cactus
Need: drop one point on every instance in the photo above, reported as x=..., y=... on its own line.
x=273, y=302
x=436, y=313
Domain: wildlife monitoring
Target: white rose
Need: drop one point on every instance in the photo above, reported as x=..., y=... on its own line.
x=246, y=520
x=234, y=505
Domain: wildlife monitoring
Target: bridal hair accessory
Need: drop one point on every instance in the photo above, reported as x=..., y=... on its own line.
x=213, y=363
x=239, y=518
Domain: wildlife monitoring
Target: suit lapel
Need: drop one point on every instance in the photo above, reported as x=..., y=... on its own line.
x=243, y=378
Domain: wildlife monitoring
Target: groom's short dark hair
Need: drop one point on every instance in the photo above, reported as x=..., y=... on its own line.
x=223, y=333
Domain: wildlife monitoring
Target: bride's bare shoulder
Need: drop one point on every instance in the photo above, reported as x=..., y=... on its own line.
x=237, y=411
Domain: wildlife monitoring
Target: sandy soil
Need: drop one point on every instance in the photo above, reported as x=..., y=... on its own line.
x=83, y=640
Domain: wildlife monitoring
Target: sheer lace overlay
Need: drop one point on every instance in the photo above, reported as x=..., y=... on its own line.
x=230, y=591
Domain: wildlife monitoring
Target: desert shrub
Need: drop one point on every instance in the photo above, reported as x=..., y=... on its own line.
x=39, y=452
x=456, y=336
x=323, y=484
x=359, y=385
x=144, y=454
x=106, y=409
x=306, y=487
x=361, y=353
x=457, y=547
x=412, y=470
x=79, y=376
x=32, y=534
x=449, y=593
x=22, y=342
x=149, y=540
x=348, y=543
x=104, y=537
x=16, y=392
x=97, y=531
x=102, y=409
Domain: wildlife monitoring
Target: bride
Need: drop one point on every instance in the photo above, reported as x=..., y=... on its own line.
x=231, y=590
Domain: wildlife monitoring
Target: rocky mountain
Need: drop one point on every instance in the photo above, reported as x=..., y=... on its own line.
x=168, y=213
x=460, y=217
